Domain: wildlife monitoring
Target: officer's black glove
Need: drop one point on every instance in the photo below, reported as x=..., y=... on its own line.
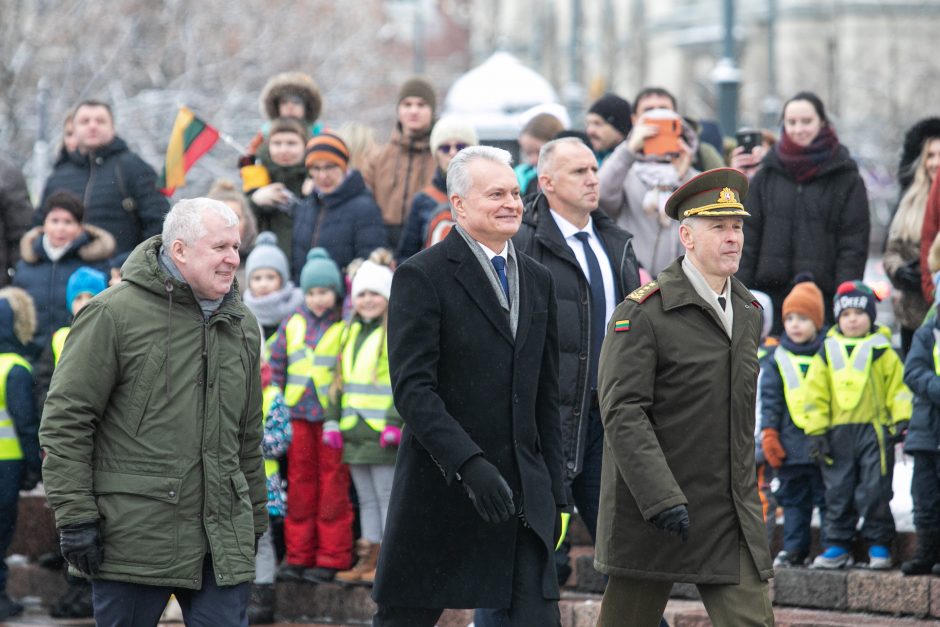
x=818, y=447
x=487, y=489
x=674, y=520
x=81, y=547
x=31, y=477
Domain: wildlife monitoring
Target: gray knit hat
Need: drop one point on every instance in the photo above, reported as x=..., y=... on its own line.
x=321, y=271
x=267, y=254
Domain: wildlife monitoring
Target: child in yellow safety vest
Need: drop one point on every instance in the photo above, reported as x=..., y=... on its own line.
x=782, y=419
x=857, y=409
x=19, y=422
x=318, y=526
x=363, y=421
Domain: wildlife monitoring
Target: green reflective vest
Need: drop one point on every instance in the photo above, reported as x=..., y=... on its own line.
x=58, y=343
x=9, y=442
x=850, y=373
x=367, y=386
x=936, y=352
x=793, y=372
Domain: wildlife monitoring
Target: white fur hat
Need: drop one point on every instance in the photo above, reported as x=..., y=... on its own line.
x=372, y=277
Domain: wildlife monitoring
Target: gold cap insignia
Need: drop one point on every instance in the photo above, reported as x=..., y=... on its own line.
x=726, y=195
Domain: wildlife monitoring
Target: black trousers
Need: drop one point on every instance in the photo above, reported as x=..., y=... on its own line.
x=122, y=604
x=528, y=607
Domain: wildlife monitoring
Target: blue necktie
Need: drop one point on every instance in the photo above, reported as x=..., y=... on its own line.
x=598, y=304
x=500, y=264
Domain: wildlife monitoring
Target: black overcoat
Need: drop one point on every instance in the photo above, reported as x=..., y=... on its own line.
x=465, y=386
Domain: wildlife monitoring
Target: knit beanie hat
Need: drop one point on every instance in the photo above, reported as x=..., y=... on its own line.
x=452, y=128
x=267, y=254
x=320, y=271
x=418, y=87
x=85, y=280
x=615, y=110
x=807, y=300
x=372, y=277
x=327, y=146
x=855, y=295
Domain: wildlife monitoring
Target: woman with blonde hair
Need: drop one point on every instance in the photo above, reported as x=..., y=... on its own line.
x=902, y=254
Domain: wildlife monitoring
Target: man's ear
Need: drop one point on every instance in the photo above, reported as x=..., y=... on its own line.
x=546, y=183
x=178, y=251
x=457, y=203
x=686, y=236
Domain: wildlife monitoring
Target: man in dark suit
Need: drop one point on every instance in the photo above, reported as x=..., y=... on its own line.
x=473, y=352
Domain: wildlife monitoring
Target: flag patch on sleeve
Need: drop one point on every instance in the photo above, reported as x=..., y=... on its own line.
x=621, y=325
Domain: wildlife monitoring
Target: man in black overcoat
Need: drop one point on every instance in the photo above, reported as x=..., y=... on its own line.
x=473, y=353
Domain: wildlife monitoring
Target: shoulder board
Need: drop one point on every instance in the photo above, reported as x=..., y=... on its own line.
x=757, y=304
x=643, y=292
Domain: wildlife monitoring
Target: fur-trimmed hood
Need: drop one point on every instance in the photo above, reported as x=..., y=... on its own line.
x=913, y=143
x=24, y=315
x=95, y=244
x=296, y=83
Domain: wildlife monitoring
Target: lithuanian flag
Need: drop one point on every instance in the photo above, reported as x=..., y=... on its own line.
x=191, y=138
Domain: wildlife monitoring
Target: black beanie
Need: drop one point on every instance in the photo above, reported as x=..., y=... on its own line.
x=615, y=110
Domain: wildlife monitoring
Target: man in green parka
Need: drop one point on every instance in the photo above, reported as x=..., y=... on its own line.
x=677, y=384
x=152, y=430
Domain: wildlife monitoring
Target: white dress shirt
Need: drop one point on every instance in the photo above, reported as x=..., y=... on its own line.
x=568, y=231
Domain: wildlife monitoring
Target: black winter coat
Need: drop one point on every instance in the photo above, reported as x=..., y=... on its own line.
x=820, y=227
x=16, y=216
x=104, y=179
x=464, y=386
x=923, y=434
x=775, y=414
x=540, y=238
x=346, y=222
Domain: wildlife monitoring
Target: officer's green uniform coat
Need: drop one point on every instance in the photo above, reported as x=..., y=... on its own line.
x=677, y=401
x=153, y=427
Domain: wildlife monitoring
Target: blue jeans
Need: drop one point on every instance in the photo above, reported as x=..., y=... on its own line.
x=11, y=473
x=122, y=604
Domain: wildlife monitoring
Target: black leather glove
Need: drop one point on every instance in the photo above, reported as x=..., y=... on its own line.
x=819, y=448
x=31, y=478
x=674, y=520
x=487, y=489
x=907, y=277
x=81, y=547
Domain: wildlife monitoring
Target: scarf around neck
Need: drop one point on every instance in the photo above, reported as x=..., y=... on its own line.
x=272, y=308
x=804, y=163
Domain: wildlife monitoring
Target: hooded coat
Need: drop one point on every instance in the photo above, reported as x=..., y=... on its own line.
x=920, y=375
x=153, y=427
x=104, y=180
x=16, y=215
x=46, y=280
x=677, y=400
x=821, y=227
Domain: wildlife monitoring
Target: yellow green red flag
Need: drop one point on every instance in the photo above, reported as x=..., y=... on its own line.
x=191, y=138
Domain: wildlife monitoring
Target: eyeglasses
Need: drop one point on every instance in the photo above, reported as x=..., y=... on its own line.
x=446, y=148
x=323, y=169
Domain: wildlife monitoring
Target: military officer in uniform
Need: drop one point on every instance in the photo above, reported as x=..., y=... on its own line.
x=677, y=382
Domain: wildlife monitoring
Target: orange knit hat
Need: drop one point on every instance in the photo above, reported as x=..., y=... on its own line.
x=807, y=300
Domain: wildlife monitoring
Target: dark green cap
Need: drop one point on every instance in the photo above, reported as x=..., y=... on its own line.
x=714, y=193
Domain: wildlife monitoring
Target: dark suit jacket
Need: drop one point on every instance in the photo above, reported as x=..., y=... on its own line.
x=464, y=386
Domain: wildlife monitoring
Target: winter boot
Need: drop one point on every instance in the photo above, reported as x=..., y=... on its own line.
x=879, y=557
x=290, y=572
x=261, y=604
x=8, y=607
x=925, y=556
x=367, y=553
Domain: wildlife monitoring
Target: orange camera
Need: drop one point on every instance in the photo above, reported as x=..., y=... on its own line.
x=666, y=141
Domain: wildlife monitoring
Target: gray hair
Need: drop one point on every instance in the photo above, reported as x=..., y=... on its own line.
x=184, y=222
x=690, y=221
x=458, y=175
x=547, y=152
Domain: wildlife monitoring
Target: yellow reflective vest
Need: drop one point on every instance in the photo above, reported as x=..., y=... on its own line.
x=792, y=371
x=299, y=360
x=9, y=442
x=58, y=343
x=325, y=358
x=367, y=386
x=271, y=466
x=853, y=387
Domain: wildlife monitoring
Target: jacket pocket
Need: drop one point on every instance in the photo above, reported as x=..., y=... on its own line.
x=242, y=517
x=138, y=517
x=144, y=383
